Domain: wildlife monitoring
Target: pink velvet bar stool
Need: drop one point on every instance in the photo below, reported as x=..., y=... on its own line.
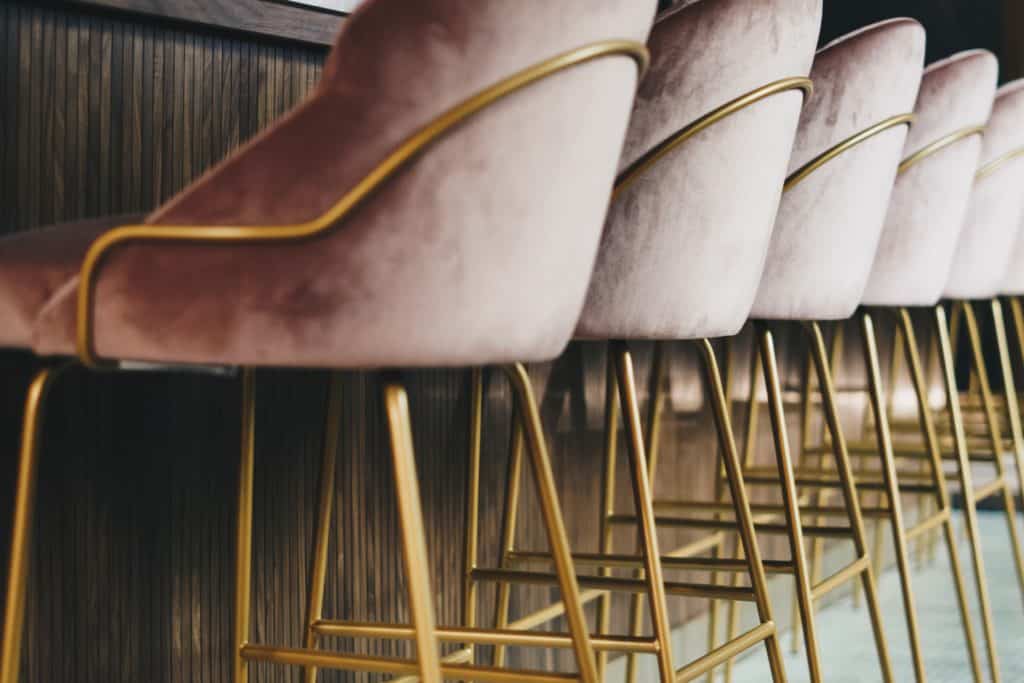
x=842, y=172
x=435, y=205
x=682, y=253
x=926, y=215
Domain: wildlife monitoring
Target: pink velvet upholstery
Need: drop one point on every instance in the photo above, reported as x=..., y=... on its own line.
x=684, y=244
x=828, y=226
x=479, y=251
x=986, y=242
x=1013, y=279
x=35, y=265
x=929, y=202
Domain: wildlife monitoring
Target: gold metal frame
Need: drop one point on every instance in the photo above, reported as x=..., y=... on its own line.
x=799, y=175
x=427, y=667
x=939, y=145
x=997, y=163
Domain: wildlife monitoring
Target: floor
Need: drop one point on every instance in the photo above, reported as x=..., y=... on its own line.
x=848, y=654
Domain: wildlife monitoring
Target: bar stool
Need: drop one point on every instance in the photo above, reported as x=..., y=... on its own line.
x=926, y=213
x=842, y=173
x=656, y=267
x=402, y=216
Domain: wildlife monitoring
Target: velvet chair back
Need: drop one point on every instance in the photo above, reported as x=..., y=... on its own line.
x=684, y=244
x=930, y=200
x=829, y=224
x=478, y=251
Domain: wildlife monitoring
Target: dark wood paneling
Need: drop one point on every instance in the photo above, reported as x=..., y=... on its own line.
x=258, y=17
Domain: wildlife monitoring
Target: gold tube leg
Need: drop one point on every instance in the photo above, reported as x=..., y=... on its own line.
x=1013, y=417
x=653, y=433
x=935, y=468
x=992, y=421
x=741, y=503
x=611, y=423
x=849, y=490
x=414, y=547
x=557, y=537
x=476, y=411
x=749, y=450
x=243, y=539
x=644, y=503
x=966, y=485
x=790, y=500
x=325, y=508
x=881, y=420
x=508, y=529
x=21, y=530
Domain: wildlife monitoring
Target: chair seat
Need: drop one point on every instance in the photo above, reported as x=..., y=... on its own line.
x=35, y=266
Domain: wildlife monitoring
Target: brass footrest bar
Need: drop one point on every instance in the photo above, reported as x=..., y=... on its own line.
x=835, y=483
x=721, y=564
x=773, y=509
x=388, y=665
x=699, y=523
x=616, y=584
x=989, y=489
x=483, y=636
x=850, y=571
x=926, y=525
x=725, y=652
x=919, y=452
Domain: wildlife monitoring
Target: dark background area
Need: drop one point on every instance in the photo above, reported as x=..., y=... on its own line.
x=952, y=25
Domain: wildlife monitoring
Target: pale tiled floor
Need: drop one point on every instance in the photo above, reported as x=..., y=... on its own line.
x=847, y=648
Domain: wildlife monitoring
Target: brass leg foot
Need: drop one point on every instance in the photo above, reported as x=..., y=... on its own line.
x=560, y=551
x=21, y=530
x=892, y=492
x=325, y=507
x=410, y=512
x=790, y=501
x=966, y=484
x=849, y=491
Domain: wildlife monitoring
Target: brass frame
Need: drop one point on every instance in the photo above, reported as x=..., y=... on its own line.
x=942, y=143
x=427, y=667
x=997, y=163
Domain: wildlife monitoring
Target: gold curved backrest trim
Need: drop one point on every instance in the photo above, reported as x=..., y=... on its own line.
x=656, y=153
x=393, y=163
x=849, y=143
x=939, y=145
x=997, y=163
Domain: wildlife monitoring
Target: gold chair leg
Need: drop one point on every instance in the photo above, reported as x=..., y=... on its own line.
x=936, y=469
x=889, y=478
x=414, y=547
x=992, y=420
x=790, y=500
x=644, y=508
x=806, y=413
x=470, y=551
x=749, y=449
x=1013, y=417
x=942, y=332
x=611, y=439
x=849, y=492
x=557, y=538
x=508, y=530
x=741, y=503
x=325, y=508
x=21, y=530
x=655, y=406
x=243, y=538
